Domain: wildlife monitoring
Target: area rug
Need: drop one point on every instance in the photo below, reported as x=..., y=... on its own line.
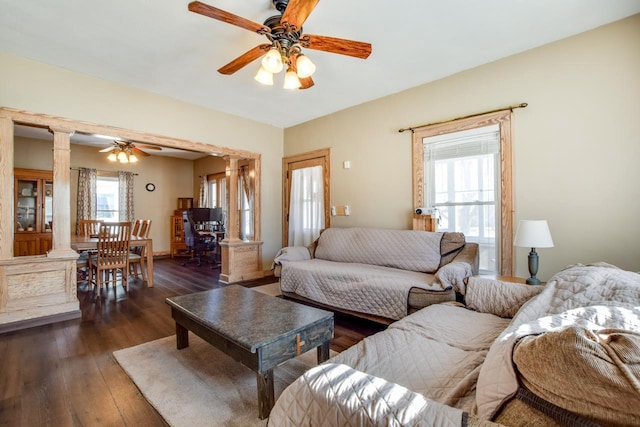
x=272, y=289
x=200, y=385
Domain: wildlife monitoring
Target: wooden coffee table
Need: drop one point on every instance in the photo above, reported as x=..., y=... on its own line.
x=258, y=330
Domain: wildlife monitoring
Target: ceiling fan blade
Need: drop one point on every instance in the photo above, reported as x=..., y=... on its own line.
x=229, y=18
x=149, y=147
x=106, y=150
x=139, y=152
x=244, y=59
x=305, y=82
x=335, y=45
x=297, y=12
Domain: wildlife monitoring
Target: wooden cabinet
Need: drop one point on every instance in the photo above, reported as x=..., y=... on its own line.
x=178, y=246
x=33, y=211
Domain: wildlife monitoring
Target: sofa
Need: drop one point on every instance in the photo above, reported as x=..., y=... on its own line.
x=377, y=273
x=567, y=353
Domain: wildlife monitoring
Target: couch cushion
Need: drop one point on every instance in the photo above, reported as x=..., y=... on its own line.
x=371, y=289
x=451, y=245
x=402, y=249
x=436, y=351
x=595, y=374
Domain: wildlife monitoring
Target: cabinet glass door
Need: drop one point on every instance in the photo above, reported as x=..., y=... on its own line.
x=27, y=212
x=48, y=206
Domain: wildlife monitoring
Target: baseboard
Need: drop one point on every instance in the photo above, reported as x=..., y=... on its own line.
x=39, y=321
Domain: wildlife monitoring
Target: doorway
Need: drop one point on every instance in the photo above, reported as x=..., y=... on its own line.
x=306, y=196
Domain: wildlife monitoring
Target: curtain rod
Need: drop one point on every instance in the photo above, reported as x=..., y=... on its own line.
x=512, y=107
x=99, y=170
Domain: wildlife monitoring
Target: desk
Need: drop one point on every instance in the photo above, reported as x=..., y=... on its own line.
x=85, y=243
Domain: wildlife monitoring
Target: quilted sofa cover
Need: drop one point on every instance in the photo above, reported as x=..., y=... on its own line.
x=577, y=341
x=372, y=271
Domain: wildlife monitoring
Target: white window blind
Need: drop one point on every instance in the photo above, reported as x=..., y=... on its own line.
x=462, y=183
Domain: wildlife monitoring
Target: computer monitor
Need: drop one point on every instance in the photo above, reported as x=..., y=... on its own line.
x=200, y=214
x=215, y=214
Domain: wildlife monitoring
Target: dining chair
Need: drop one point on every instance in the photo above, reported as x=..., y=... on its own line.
x=86, y=227
x=136, y=227
x=137, y=255
x=112, y=255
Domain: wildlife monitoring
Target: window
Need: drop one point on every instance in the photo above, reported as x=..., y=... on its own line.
x=217, y=191
x=245, y=211
x=107, y=194
x=306, y=208
x=463, y=169
x=460, y=184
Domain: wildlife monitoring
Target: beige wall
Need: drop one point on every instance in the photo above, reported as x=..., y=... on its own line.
x=576, y=150
x=41, y=88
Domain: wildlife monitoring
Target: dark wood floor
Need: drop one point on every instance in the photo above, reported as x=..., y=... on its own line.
x=64, y=374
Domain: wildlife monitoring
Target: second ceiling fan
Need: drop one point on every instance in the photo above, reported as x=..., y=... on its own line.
x=286, y=39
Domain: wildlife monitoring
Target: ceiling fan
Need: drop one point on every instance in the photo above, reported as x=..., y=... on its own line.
x=286, y=41
x=126, y=152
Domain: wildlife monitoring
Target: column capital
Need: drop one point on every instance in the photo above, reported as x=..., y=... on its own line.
x=61, y=129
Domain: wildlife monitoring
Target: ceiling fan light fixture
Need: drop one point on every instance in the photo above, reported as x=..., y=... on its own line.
x=122, y=157
x=265, y=77
x=291, y=80
x=112, y=157
x=132, y=158
x=272, y=61
x=305, y=67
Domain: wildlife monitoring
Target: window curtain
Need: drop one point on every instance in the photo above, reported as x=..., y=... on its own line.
x=306, y=209
x=222, y=188
x=246, y=201
x=87, y=200
x=203, y=200
x=125, y=191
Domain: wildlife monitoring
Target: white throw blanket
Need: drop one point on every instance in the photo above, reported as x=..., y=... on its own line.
x=596, y=297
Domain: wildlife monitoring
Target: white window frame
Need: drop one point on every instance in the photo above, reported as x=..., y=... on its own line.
x=116, y=211
x=503, y=119
x=459, y=153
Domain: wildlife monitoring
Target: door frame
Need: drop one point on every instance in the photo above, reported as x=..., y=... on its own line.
x=321, y=157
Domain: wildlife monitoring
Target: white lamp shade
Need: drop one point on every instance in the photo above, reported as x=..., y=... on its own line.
x=305, y=67
x=122, y=157
x=272, y=61
x=264, y=77
x=291, y=80
x=533, y=234
x=133, y=158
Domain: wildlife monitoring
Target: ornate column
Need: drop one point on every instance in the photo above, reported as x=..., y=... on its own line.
x=241, y=260
x=6, y=187
x=61, y=193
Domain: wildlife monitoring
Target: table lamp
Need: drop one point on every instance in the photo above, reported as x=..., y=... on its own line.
x=533, y=234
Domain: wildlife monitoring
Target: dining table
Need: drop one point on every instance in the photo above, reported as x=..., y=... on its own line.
x=87, y=243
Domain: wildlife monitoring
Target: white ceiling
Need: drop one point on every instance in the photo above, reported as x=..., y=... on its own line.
x=161, y=47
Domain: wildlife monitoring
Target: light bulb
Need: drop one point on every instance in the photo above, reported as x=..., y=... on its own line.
x=305, y=67
x=132, y=158
x=264, y=77
x=112, y=157
x=272, y=61
x=291, y=80
x=122, y=157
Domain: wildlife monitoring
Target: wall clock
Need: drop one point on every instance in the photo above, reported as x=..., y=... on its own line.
x=150, y=187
